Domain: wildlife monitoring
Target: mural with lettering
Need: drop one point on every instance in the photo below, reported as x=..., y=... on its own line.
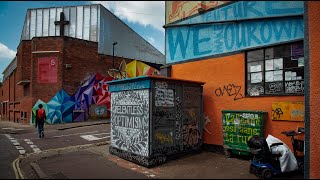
x=190, y=42
x=288, y=111
x=177, y=10
x=248, y=9
x=130, y=121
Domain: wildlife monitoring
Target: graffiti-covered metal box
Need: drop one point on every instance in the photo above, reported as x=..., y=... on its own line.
x=154, y=117
x=239, y=127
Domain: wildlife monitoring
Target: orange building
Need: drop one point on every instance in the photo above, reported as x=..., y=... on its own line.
x=253, y=56
x=312, y=45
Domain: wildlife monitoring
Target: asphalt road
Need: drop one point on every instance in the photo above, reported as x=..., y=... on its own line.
x=8, y=154
x=15, y=141
x=54, y=138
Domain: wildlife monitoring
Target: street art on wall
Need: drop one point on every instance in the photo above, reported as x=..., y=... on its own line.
x=190, y=42
x=118, y=73
x=206, y=121
x=34, y=109
x=183, y=43
x=133, y=69
x=60, y=108
x=130, y=121
x=94, y=90
x=98, y=112
x=177, y=10
x=137, y=68
x=288, y=111
x=63, y=108
x=247, y=10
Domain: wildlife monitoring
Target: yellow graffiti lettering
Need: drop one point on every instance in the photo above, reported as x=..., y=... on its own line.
x=164, y=138
x=229, y=138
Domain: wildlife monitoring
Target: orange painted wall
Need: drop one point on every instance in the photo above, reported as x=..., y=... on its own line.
x=222, y=71
x=314, y=57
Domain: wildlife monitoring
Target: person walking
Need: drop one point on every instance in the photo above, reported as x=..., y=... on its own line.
x=40, y=120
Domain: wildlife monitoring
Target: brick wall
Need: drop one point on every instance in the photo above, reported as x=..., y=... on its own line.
x=45, y=91
x=85, y=62
x=82, y=55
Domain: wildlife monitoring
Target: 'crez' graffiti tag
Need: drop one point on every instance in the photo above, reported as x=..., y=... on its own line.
x=231, y=90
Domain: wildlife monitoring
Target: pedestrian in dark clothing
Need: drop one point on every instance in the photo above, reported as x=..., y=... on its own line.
x=40, y=120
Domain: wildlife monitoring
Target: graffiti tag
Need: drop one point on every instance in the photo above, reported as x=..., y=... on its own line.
x=231, y=90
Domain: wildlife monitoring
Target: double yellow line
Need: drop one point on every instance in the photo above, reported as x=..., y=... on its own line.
x=16, y=162
x=16, y=168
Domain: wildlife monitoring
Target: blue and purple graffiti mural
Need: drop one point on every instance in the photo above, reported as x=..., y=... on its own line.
x=63, y=108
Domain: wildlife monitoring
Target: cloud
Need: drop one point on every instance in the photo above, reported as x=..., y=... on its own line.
x=143, y=12
x=151, y=40
x=6, y=53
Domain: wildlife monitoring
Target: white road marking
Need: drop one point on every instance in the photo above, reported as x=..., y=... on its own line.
x=36, y=150
x=22, y=151
x=19, y=147
x=92, y=137
x=16, y=144
x=11, y=128
x=151, y=175
x=29, y=142
x=33, y=146
x=26, y=140
x=75, y=134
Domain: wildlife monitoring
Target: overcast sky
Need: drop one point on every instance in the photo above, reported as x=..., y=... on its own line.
x=144, y=17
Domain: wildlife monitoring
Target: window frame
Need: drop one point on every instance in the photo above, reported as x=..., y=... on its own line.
x=247, y=73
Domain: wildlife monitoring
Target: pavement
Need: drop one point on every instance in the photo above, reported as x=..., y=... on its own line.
x=94, y=161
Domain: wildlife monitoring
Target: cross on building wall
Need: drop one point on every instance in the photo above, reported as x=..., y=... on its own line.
x=62, y=23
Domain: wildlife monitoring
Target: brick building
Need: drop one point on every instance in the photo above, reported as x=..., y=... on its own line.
x=48, y=61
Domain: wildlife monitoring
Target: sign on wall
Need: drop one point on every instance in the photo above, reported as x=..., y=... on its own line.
x=130, y=121
x=288, y=111
x=239, y=127
x=47, y=70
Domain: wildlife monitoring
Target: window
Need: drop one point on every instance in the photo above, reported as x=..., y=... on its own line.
x=277, y=70
x=23, y=116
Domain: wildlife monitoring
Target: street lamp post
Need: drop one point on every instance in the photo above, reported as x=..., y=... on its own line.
x=115, y=43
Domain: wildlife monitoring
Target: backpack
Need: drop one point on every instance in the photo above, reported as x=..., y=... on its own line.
x=41, y=114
